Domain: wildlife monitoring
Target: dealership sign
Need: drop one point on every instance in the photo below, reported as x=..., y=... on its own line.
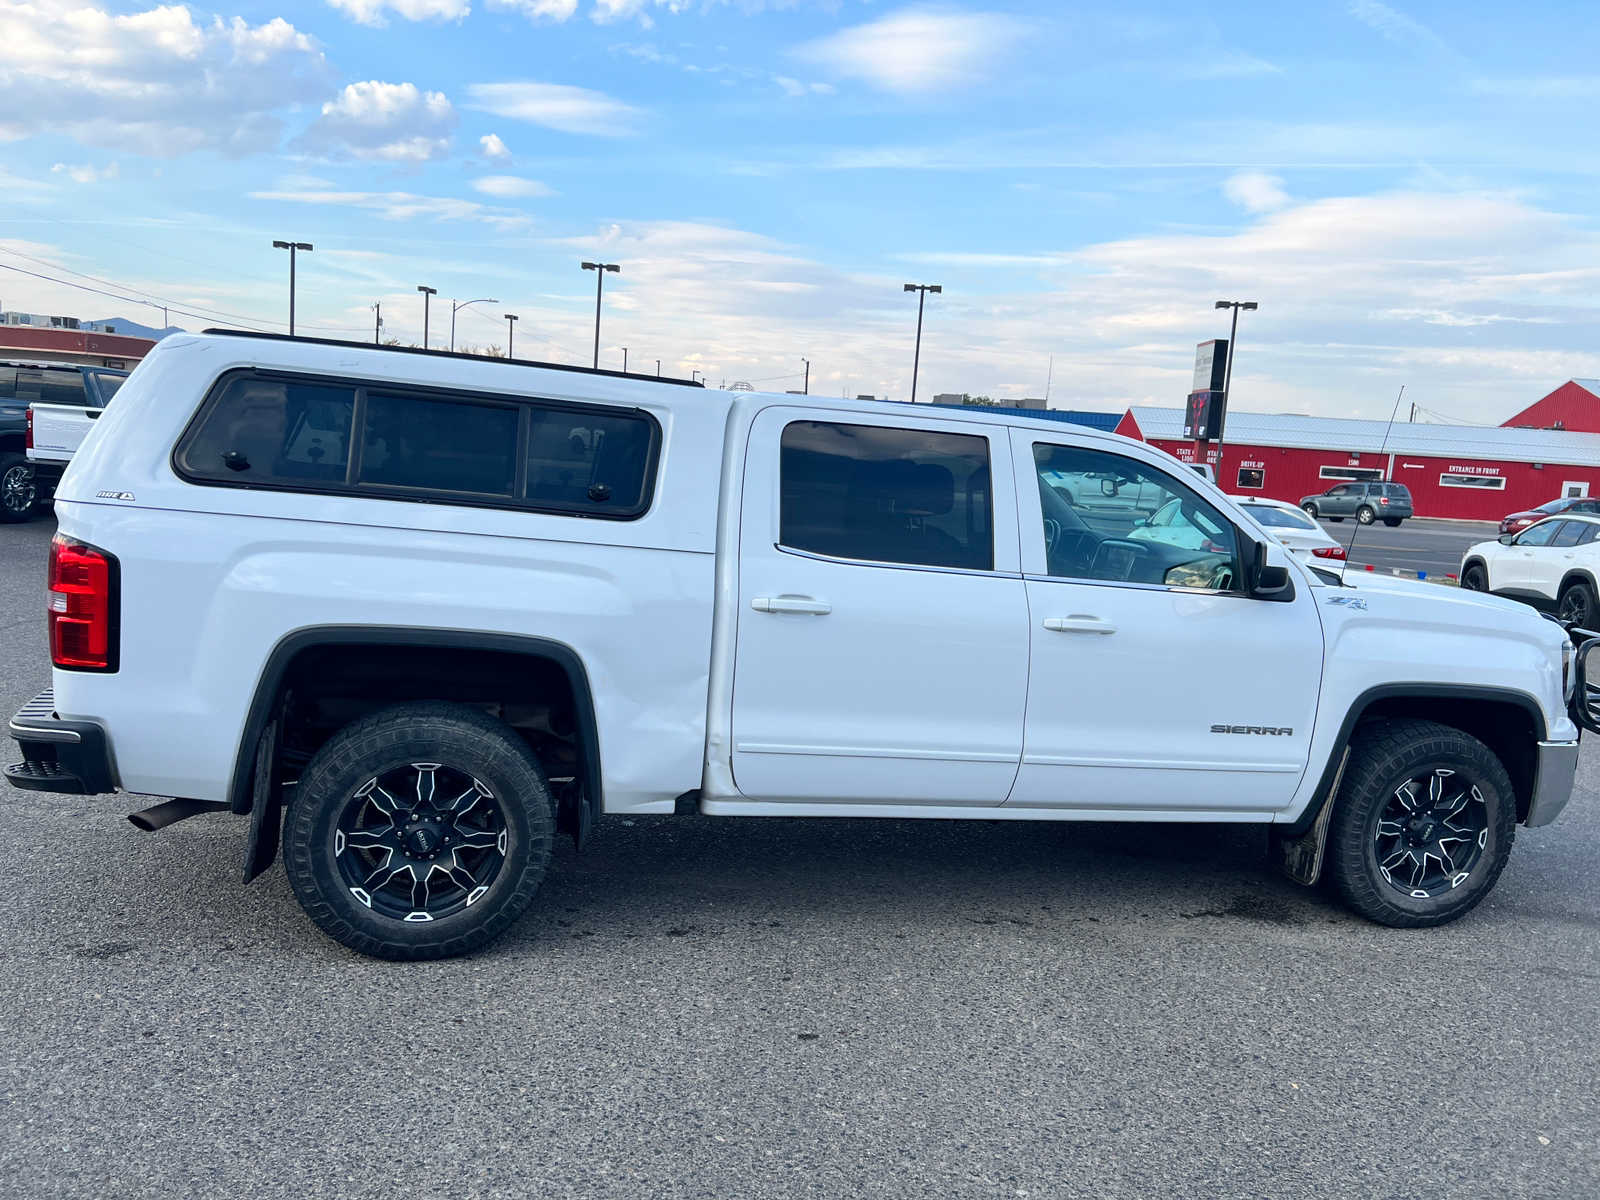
x=1208, y=402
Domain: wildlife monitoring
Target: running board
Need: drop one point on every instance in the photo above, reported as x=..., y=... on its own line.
x=159, y=816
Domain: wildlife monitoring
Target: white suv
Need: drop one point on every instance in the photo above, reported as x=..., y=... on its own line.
x=1553, y=565
x=385, y=604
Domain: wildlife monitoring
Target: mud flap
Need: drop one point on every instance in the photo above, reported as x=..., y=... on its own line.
x=266, y=807
x=1301, y=857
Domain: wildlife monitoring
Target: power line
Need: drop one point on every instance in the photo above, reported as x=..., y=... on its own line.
x=139, y=296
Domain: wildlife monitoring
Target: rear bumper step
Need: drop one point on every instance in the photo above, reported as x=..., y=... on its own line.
x=71, y=757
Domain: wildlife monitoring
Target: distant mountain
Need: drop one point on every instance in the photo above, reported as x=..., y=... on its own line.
x=133, y=329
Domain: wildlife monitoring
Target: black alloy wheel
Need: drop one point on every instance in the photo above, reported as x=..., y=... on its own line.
x=1365, y=515
x=1577, y=604
x=18, y=488
x=1422, y=825
x=420, y=841
x=1431, y=833
x=420, y=831
x=1473, y=579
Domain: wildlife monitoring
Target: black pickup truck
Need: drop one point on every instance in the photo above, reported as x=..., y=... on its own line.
x=24, y=484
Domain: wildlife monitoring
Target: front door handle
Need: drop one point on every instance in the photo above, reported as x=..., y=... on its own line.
x=1078, y=623
x=791, y=604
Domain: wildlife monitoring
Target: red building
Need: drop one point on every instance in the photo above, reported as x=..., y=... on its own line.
x=1456, y=471
x=1574, y=406
x=86, y=347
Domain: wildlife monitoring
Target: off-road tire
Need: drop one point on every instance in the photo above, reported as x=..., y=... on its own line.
x=429, y=732
x=19, y=488
x=1475, y=578
x=1384, y=754
x=1365, y=515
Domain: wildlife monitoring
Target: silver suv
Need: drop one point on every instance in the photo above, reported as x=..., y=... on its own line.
x=1366, y=502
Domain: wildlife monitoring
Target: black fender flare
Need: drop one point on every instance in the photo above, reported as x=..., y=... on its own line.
x=1475, y=562
x=1399, y=691
x=255, y=791
x=1577, y=573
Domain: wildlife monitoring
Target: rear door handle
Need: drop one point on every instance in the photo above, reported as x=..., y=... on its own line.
x=791, y=604
x=1078, y=623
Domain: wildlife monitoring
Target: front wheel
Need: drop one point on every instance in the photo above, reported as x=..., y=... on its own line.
x=1422, y=825
x=1577, y=603
x=1365, y=515
x=421, y=831
x=1474, y=579
x=1310, y=510
x=18, y=488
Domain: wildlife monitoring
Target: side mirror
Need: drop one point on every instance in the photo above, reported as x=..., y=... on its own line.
x=1505, y=539
x=1108, y=487
x=1269, y=581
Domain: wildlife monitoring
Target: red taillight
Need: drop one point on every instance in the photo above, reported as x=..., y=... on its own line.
x=1328, y=551
x=82, y=583
x=28, y=437
x=1383, y=500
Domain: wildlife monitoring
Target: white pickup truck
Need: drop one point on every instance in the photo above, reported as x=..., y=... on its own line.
x=46, y=410
x=417, y=613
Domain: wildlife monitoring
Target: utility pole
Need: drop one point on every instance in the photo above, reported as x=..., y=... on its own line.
x=377, y=322
x=1227, y=374
x=922, y=290
x=511, y=333
x=291, y=247
x=426, y=292
x=806, y=387
x=599, y=269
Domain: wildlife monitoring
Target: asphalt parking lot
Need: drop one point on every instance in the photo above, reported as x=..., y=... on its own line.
x=715, y=1008
x=1417, y=545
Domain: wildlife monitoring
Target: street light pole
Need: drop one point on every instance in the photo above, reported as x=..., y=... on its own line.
x=291, y=247
x=658, y=368
x=922, y=290
x=511, y=333
x=455, y=308
x=599, y=269
x=426, y=292
x=1227, y=372
x=624, y=360
x=377, y=322
x=806, y=387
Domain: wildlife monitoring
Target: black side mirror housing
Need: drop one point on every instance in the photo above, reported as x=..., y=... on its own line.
x=1505, y=539
x=1268, y=582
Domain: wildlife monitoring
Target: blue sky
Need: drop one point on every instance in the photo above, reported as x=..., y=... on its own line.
x=1408, y=191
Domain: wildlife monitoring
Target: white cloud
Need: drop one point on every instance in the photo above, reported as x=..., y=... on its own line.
x=1255, y=191
x=375, y=12
x=796, y=87
x=1397, y=26
x=87, y=173
x=493, y=147
x=557, y=106
x=1229, y=64
x=384, y=122
x=551, y=10
x=507, y=187
x=401, y=206
x=916, y=50
x=160, y=82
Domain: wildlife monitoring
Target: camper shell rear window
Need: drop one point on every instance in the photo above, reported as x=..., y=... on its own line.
x=293, y=432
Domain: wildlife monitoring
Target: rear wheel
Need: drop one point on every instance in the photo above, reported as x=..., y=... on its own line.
x=1365, y=515
x=1392, y=522
x=1475, y=579
x=18, y=488
x=1577, y=603
x=421, y=831
x=1422, y=824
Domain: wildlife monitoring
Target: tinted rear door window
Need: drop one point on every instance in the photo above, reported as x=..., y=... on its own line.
x=1570, y=534
x=883, y=494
